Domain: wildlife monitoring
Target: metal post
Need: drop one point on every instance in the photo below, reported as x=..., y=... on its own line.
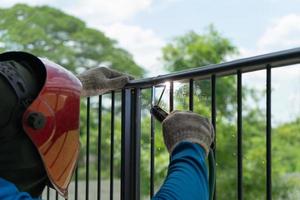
x=152, y=147
x=126, y=157
x=87, y=149
x=269, y=135
x=213, y=120
x=239, y=137
x=99, y=148
x=48, y=193
x=136, y=126
x=76, y=184
x=112, y=143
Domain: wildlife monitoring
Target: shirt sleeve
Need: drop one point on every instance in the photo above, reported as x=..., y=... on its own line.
x=9, y=191
x=187, y=177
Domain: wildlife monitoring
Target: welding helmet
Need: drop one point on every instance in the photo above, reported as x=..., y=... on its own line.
x=50, y=117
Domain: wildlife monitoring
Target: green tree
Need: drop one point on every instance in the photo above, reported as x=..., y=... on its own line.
x=286, y=163
x=196, y=50
x=64, y=39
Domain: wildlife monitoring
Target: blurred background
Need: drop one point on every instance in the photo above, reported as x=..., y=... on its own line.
x=152, y=37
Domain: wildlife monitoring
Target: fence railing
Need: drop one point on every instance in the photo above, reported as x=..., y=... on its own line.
x=131, y=115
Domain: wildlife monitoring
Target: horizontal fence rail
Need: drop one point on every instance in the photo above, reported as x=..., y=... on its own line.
x=130, y=99
x=278, y=59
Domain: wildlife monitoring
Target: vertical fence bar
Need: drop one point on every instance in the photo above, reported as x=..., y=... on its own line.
x=87, y=149
x=126, y=170
x=213, y=120
x=136, y=126
x=213, y=107
x=191, y=95
x=48, y=193
x=152, y=146
x=239, y=137
x=56, y=195
x=112, y=144
x=171, y=97
x=268, y=135
x=76, y=184
x=99, y=148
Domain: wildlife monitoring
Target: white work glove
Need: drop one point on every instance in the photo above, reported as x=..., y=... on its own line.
x=187, y=126
x=100, y=80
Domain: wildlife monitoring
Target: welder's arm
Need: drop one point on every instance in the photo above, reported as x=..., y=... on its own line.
x=187, y=137
x=187, y=174
x=100, y=80
x=9, y=191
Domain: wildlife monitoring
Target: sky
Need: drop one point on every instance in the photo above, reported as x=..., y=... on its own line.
x=143, y=27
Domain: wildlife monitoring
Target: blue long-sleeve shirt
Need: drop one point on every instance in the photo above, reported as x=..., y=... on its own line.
x=8, y=191
x=187, y=177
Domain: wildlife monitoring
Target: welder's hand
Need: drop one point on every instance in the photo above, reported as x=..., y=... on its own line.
x=187, y=126
x=100, y=80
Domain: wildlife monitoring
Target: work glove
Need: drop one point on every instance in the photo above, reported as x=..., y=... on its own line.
x=100, y=80
x=187, y=126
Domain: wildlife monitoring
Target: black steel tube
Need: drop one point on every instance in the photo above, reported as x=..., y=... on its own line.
x=171, y=96
x=137, y=142
x=56, y=195
x=126, y=170
x=239, y=137
x=152, y=145
x=87, y=150
x=268, y=135
x=277, y=59
x=213, y=118
x=48, y=193
x=112, y=144
x=76, y=180
x=99, y=148
x=191, y=95
x=213, y=107
x=76, y=184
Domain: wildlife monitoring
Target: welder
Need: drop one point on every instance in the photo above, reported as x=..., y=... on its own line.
x=39, y=130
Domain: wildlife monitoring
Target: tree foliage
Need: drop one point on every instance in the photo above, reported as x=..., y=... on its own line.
x=195, y=50
x=64, y=39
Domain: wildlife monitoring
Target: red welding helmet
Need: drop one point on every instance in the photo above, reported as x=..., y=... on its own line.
x=52, y=119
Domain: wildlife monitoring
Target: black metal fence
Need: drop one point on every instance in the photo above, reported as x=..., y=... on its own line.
x=131, y=107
